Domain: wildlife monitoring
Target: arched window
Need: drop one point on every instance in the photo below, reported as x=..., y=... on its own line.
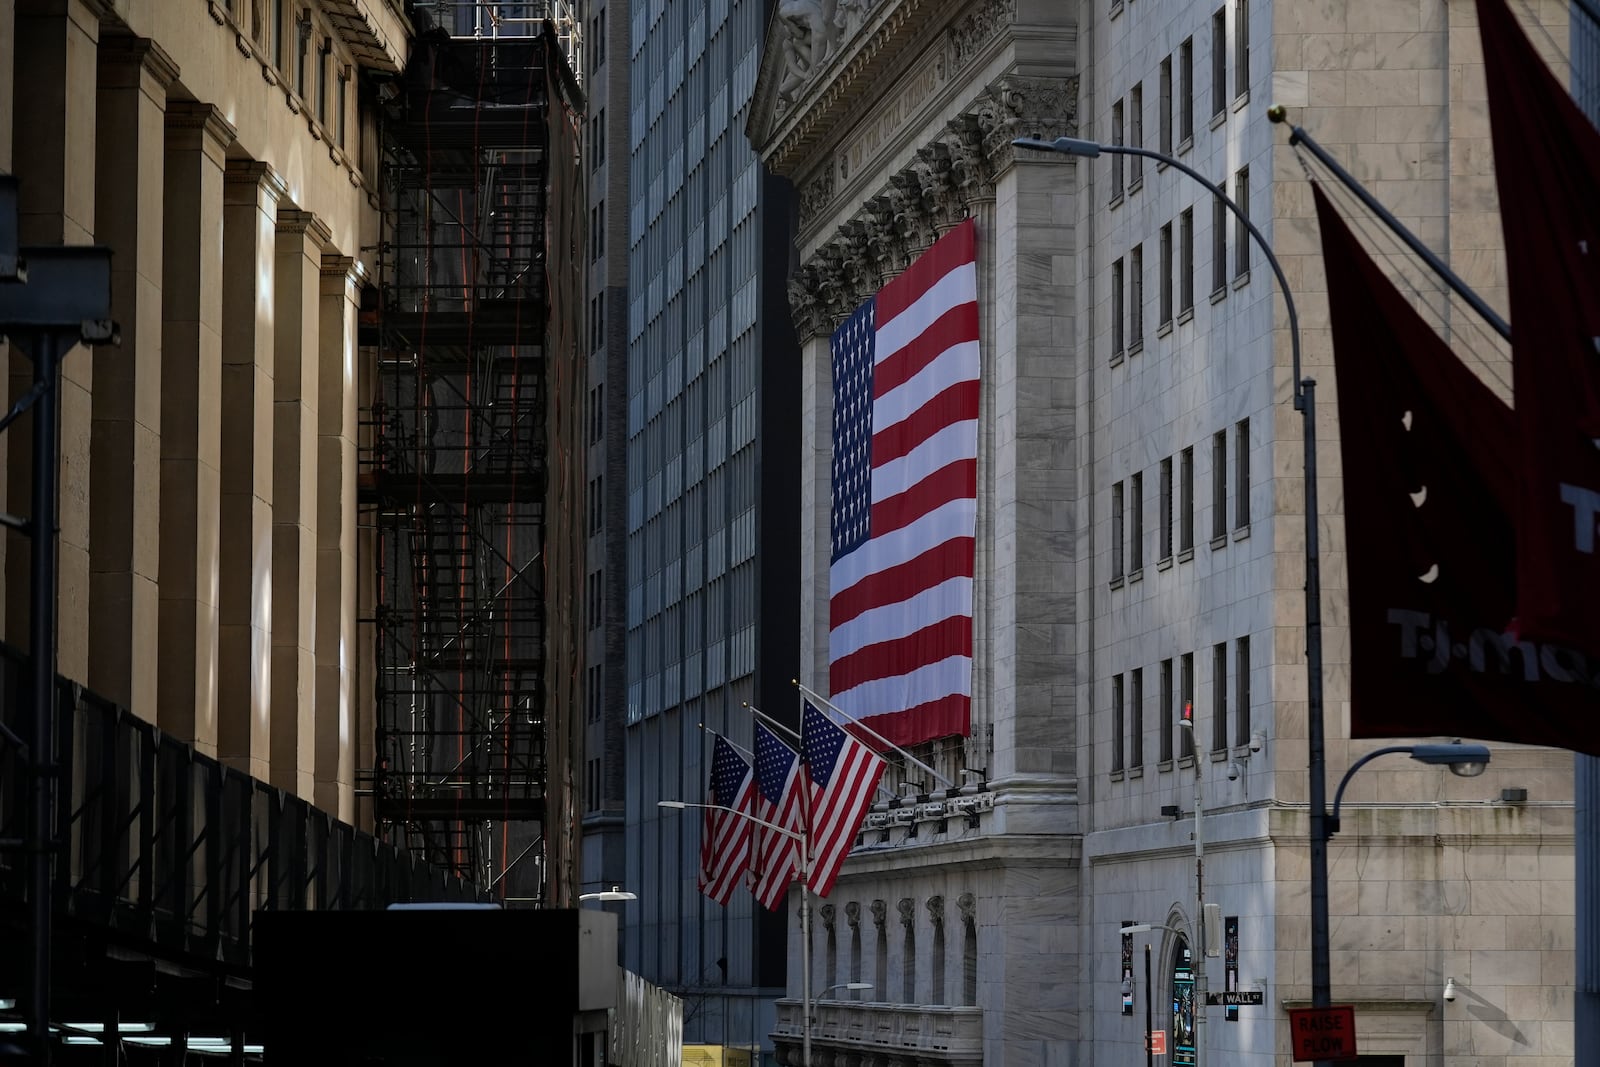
x=855, y=959
x=936, y=913
x=1183, y=1050
x=969, y=962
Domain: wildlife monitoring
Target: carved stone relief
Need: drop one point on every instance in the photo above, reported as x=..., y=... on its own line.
x=880, y=913
x=908, y=911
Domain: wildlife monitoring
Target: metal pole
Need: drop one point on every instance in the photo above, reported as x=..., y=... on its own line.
x=1200, y=985
x=1321, y=994
x=805, y=955
x=42, y=676
x=1149, y=1011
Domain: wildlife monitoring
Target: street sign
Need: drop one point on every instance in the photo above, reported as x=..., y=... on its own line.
x=1323, y=1033
x=1158, y=1042
x=1254, y=996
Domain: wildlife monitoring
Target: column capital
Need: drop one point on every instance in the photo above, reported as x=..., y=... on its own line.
x=196, y=125
x=244, y=178
x=126, y=60
x=337, y=266
x=294, y=222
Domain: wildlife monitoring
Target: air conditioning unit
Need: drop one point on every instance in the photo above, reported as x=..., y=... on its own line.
x=934, y=810
x=903, y=816
x=876, y=820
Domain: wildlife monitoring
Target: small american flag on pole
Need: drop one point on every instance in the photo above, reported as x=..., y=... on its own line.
x=844, y=774
x=780, y=799
x=905, y=480
x=725, y=842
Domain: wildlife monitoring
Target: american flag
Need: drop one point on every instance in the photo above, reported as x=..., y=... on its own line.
x=905, y=479
x=844, y=774
x=725, y=843
x=780, y=799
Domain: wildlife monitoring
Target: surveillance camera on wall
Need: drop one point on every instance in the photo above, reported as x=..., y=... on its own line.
x=1258, y=740
x=1233, y=772
x=1449, y=989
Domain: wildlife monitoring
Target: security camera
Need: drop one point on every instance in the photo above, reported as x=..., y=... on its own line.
x=1258, y=740
x=1233, y=772
x=1449, y=989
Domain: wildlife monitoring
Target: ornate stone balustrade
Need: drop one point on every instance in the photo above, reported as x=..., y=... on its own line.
x=870, y=1034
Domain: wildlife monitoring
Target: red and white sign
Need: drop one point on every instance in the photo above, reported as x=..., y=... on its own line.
x=1323, y=1033
x=1158, y=1042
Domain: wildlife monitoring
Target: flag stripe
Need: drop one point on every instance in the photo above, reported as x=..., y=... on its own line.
x=951, y=407
x=948, y=598
x=844, y=774
x=948, y=637
x=954, y=253
x=954, y=481
x=947, y=437
x=870, y=593
x=902, y=546
x=921, y=686
x=954, y=334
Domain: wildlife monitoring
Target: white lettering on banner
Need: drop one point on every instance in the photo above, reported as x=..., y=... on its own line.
x=1585, y=505
x=1490, y=651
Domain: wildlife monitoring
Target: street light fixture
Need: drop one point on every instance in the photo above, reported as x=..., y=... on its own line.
x=1305, y=392
x=805, y=907
x=853, y=987
x=1464, y=761
x=606, y=896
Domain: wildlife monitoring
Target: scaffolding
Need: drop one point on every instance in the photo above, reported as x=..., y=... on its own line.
x=458, y=442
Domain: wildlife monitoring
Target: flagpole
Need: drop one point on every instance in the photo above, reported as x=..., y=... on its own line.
x=818, y=698
x=805, y=950
x=770, y=721
x=885, y=790
x=1298, y=136
x=745, y=752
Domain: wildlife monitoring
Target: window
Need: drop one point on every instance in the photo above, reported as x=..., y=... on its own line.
x=1241, y=232
x=1241, y=691
x=1219, y=61
x=1166, y=508
x=1241, y=47
x=597, y=47
x=1166, y=274
x=1166, y=711
x=1136, y=541
x=1185, y=93
x=1116, y=310
x=1186, y=261
x=1116, y=161
x=1219, y=484
x=597, y=140
x=323, y=55
x=1117, y=532
x=1136, y=135
x=1186, y=698
x=1219, y=248
x=340, y=106
x=1164, y=119
x=1136, y=299
x=302, y=50
x=1186, y=500
x=908, y=990
x=938, y=960
x=1241, y=478
x=1136, y=726
x=1219, y=697
x=969, y=960
x=277, y=33
x=1116, y=722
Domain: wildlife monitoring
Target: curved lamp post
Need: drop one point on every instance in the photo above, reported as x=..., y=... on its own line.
x=1464, y=761
x=606, y=896
x=1304, y=402
x=805, y=908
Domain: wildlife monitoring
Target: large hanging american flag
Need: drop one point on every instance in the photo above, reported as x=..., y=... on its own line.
x=844, y=774
x=725, y=841
x=780, y=800
x=905, y=480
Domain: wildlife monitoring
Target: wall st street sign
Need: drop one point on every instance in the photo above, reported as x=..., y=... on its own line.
x=1252, y=997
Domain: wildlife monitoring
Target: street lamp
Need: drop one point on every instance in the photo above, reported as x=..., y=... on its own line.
x=1305, y=392
x=1198, y=956
x=1464, y=761
x=805, y=908
x=853, y=987
x=606, y=896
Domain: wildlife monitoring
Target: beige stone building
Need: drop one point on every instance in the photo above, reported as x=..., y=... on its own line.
x=1140, y=535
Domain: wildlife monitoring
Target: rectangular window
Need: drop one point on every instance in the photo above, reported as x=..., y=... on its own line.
x=1116, y=309
x=1116, y=161
x=341, y=105
x=1219, y=61
x=1219, y=484
x=1116, y=723
x=1136, y=134
x=1186, y=261
x=1185, y=93
x=1117, y=531
x=1164, y=119
x=1219, y=247
x=1219, y=697
x=1186, y=500
x=323, y=55
x=277, y=33
x=1136, y=727
x=1241, y=47
x=598, y=49
x=1136, y=298
x=1241, y=691
x=1241, y=477
x=1241, y=233
x=1166, y=508
x=1166, y=274
x=1166, y=717
x=1136, y=535
x=1186, y=699
x=302, y=52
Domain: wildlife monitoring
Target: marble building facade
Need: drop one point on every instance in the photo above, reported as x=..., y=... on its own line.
x=1140, y=534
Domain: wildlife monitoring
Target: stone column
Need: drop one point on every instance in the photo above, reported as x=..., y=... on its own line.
x=336, y=537
x=297, y=307
x=125, y=442
x=251, y=192
x=54, y=74
x=191, y=422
